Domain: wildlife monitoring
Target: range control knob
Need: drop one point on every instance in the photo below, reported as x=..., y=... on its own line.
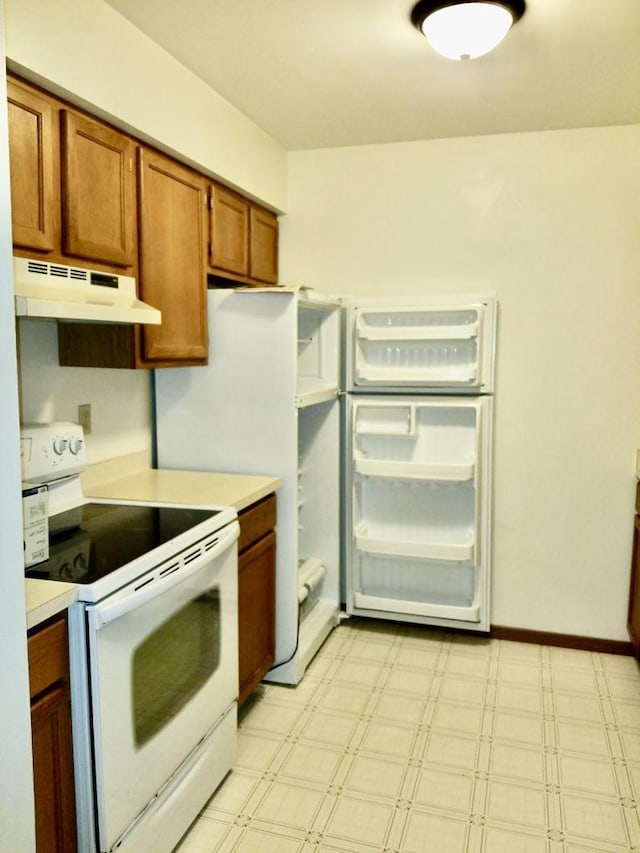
x=75, y=445
x=60, y=445
x=64, y=572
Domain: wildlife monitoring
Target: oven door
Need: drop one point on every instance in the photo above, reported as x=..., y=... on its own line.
x=163, y=664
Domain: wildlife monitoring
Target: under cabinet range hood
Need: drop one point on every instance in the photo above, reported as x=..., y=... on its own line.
x=44, y=289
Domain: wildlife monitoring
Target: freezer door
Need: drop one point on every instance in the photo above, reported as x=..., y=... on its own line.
x=418, y=506
x=447, y=348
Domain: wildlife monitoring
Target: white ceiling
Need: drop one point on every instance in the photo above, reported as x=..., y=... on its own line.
x=318, y=73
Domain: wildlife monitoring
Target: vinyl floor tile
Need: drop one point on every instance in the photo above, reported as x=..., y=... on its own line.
x=401, y=739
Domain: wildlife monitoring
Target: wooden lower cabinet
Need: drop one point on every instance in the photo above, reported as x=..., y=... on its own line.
x=256, y=594
x=633, y=618
x=54, y=792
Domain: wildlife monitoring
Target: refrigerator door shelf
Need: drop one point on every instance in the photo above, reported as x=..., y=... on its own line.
x=444, y=376
x=389, y=608
x=411, y=587
x=417, y=333
x=404, y=415
x=439, y=319
x=394, y=420
x=458, y=552
x=434, y=441
x=401, y=470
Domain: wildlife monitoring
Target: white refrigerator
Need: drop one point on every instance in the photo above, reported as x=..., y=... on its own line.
x=417, y=463
x=267, y=403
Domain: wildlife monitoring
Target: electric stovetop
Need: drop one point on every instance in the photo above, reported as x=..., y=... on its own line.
x=90, y=541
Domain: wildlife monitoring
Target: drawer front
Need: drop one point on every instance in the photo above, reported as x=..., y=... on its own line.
x=48, y=656
x=256, y=521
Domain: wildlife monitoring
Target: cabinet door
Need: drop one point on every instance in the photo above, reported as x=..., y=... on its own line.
x=229, y=231
x=98, y=192
x=172, y=202
x=51, y=738
x=53, y=772
x=34, y=196
x=633, y=620
x=256, y=613
x=263, y=262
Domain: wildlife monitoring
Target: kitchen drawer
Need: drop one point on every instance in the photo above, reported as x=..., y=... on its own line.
x=256, y=521
x=48, y=655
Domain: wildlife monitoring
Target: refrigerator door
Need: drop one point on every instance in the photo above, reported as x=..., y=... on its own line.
x=417, y=545
x=435, y=346
x=267, y=403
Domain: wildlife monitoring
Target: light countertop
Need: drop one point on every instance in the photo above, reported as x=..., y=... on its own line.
x=46, y=598
x=187, y=487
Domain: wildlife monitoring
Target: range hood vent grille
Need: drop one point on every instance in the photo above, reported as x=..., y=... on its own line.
x=57, y=270
x=43, y=289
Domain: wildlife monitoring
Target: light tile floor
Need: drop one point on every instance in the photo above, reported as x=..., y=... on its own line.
x=407, y=740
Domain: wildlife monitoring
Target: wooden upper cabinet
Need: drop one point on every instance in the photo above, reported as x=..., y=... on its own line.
x=243, y=239
x=263, y=260
x=33, y=139
x=98, y=192
x=228, y=231
x=171, y=209
x=73, y=183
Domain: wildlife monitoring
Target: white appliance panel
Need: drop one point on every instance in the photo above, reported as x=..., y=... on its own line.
x=267, y=403
x=229, y=416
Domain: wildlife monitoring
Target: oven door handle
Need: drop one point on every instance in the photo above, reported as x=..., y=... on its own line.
x=128, y=599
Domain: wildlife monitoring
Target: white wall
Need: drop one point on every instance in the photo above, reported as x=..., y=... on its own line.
x=17, y=829
x=548, y=221
x=85, y=50
x=120, y=399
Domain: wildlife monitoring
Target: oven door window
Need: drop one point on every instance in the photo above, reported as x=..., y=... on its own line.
x=174, y=663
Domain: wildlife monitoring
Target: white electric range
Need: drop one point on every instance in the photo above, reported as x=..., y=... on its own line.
x=153, y=649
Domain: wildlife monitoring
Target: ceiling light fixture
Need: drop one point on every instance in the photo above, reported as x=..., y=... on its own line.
x=465, y=29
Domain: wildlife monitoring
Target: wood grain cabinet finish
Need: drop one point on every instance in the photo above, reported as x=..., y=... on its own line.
x=263, y=260
x=51, y=738
x=73, y=183
x=171, y=207
x=98, y=192
x=77, y=196
x=633, y=617
x=172, y=203
x=256, y=594
x=228, y=232
x=35, y=196
x=243, y=239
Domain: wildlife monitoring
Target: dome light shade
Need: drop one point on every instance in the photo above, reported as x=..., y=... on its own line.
x=465, y=29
